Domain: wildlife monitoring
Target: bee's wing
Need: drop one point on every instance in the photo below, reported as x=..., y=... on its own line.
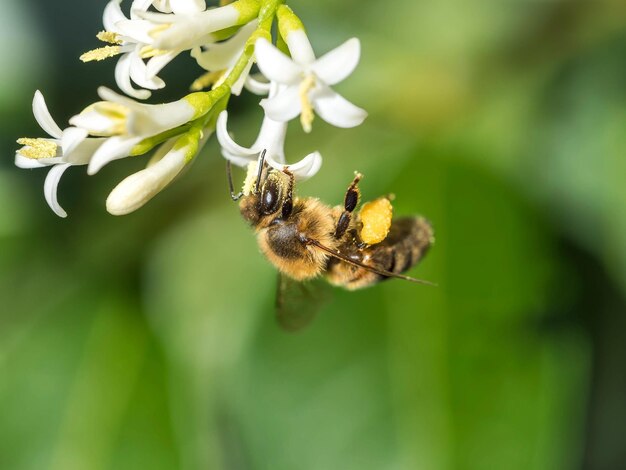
x=298, y=302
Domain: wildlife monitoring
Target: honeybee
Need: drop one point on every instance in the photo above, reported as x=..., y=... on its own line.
x=306, y=240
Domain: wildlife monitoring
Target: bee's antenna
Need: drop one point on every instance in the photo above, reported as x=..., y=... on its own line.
x=260, y=171
x=234, y=196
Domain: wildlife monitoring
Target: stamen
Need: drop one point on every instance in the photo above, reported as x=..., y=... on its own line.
x=147, y=52
x=101, y=53
x=206, y=80
x=37, y=148
x=307, y=115
x=110, y=37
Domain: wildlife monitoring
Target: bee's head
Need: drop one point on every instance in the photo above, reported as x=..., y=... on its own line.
x=264, y=194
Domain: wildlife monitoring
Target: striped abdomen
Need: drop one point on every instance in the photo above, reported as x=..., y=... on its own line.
x=408, y=241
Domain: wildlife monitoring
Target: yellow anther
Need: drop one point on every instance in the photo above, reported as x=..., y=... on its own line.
x=101, y=53
x=38, y=148
x=376, y=219
x=307, y=115
x=110, y=37
x=148, y=51
x=207, y=79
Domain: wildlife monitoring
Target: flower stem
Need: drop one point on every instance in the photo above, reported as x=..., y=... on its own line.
x=267, y=13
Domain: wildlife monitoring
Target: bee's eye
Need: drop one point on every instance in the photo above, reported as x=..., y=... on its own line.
x=270, y=198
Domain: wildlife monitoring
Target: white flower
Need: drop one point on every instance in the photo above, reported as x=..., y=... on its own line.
x=271, y=139
x=169, y=160
x=221, y=57
x=128, y=122
x=182, y=31
x=66, y=148
x=133, y=45
x=134, y=39
x=307, y=81
x=173, y=6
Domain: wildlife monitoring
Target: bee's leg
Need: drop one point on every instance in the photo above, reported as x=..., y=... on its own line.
x=349, y=204
x=288, y=201
x=233, y=195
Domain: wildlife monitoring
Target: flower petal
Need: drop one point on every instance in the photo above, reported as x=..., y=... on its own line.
x=304, y=169
x=226, y=141
x=238, y=160
x=43, y=117
x=157, y=63
x=336, y=110
x=223, y=55
x=161, y=5
x=300, y=47
x=112, y=14
x=50, y=188
x=186, y=31
x=82, y=153
x=272, y=138
x=187, y=7
x=137, y=31
x=284, y=106
x=122, y=78
x=137, y=189
x=275, y=65
x=257, y=87
x=241, y=81
x=339, y=63
x=72, y=137
x=113, y=148
x=27, y=163
x=139, y=74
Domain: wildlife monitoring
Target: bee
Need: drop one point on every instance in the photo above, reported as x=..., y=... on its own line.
x=307, y=240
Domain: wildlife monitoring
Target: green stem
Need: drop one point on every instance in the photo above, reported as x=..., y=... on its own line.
x=267, y=13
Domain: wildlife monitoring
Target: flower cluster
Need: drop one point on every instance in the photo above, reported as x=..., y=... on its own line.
x=226, y=41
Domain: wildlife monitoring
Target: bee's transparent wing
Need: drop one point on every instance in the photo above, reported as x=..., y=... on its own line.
x=297, y=302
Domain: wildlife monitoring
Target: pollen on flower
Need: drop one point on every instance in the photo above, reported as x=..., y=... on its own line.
x=101, y=53
x=110, y=37
x=251, y=177
x=307, y=115
x=37, y=148
x=206, y=80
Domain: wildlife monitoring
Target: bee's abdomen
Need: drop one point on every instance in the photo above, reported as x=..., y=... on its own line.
x=403, y=249
x=408, y=241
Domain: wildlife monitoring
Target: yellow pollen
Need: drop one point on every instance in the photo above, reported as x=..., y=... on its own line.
x=159, y=29
x=376, y=219
x=251, y=177
x=307, y=116
x=149, y=51
x=110, y=37
x=101, y=53
x=37, y=148
x=206, y=80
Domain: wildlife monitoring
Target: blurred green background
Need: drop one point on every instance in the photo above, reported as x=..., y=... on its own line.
x=149, y=341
